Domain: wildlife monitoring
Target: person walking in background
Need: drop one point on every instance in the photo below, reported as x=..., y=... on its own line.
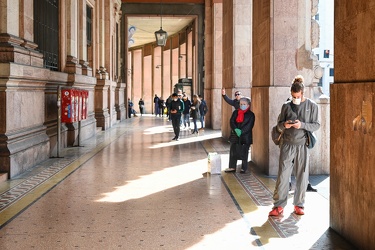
x=141, y=105
x=156, y=105
x=186, y=112
x=195, y=114
x=203, y=109
x=161, y=104
x=168, y=104
x=296, y=117
x=235, y=102
x=176, y=107
x=242, y=123
x=131, y=109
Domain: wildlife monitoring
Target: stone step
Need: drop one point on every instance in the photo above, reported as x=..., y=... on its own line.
x=3, y=177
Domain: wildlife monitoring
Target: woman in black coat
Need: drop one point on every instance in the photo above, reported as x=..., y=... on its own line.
x=241, y=123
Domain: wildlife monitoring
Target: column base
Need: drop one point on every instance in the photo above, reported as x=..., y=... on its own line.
x=22, y=150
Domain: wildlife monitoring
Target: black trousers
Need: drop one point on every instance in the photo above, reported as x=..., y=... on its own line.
x=238, y=152
x=176, y=120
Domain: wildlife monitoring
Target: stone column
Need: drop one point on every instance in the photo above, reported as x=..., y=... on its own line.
x=213, y=62
x=352, y=123
x=120, y=101
x=102, y=89
x=237, y=53
x=23, y=139
x=282, y=48
x=108, y=57
x=120, y=81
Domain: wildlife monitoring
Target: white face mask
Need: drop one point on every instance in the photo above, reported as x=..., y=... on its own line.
x=296, y=101
x=175, y=99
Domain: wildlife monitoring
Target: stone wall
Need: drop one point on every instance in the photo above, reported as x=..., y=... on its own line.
x=29, y=92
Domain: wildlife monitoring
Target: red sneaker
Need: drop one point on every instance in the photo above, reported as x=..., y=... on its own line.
x=276, y=211
x=299, y=210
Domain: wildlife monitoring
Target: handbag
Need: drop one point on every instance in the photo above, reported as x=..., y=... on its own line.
x=310, y=139
x=233, y=138
x=276, y=135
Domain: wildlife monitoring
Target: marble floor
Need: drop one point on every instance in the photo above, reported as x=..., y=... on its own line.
x=131, y=187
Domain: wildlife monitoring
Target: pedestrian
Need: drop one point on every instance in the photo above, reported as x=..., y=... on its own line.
x=203, y=109
x=156, y=105
x=168, y=104
x=180, y=94
x=161, y=104
x=176, y=107
x=242, y=123
x=141, y=105
x=296, y=117
x=131, y=109
x=236, y=101
x=195, y=114
x=186, y=112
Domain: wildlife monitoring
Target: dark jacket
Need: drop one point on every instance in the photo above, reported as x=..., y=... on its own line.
x=187, y=105
x=235, y=103
x=161, y=103
x=246, y=126
x=203, y=109
x=177, y=105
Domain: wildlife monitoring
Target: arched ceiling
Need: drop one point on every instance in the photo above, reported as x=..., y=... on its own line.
x=146, y=25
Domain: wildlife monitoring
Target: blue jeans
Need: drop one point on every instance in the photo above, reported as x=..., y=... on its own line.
x=202, y=120
x=186, y=119
x=195, y=125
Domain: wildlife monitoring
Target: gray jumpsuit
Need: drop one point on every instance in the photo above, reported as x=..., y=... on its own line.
x=294, y=147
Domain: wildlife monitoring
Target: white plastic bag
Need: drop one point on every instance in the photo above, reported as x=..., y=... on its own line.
x=214, y=163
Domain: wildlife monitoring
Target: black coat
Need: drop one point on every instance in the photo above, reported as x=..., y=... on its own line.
x=246, y=126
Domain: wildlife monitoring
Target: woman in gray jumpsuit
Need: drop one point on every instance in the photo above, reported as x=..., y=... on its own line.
x=297, y=116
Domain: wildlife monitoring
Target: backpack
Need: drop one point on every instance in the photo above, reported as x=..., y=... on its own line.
x=203, y=109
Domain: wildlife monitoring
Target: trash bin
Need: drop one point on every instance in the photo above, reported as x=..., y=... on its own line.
x=214, y=163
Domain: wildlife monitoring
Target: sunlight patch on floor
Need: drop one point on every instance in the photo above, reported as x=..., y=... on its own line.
x=187, y=140
x=226, y=239
x=156, y=182
x=158, y=130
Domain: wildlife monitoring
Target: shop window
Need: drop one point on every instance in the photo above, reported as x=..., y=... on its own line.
x=46, y=31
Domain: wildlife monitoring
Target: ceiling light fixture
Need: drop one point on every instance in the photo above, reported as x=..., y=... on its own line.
x=161, y=35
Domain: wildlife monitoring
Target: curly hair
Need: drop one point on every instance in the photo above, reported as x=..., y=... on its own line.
x=297, y=84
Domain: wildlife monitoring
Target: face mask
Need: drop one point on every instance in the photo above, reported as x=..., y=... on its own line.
x=296, y=101
x=243, y=107
x=175, y=99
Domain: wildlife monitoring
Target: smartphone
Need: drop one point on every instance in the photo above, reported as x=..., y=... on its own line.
x=292, y=122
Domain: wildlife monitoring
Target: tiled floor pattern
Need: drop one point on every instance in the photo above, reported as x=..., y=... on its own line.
x=147, y=223
x=26, y=183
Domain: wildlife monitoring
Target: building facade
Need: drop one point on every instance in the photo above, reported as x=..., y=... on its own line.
x=47, y=45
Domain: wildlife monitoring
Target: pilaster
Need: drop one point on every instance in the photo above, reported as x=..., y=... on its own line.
x=120, y=101
x=101, y=103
